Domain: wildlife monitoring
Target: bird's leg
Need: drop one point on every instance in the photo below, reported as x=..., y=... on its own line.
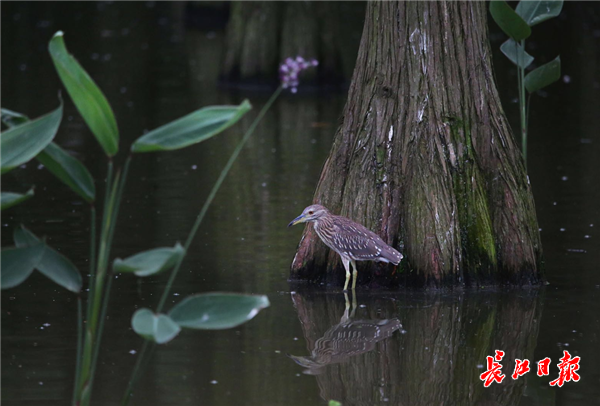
x=354, y=274
x=345, y=317
x=346, y=263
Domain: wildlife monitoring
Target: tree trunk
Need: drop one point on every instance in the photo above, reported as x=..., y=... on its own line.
x=425, y=156
x=262, y=34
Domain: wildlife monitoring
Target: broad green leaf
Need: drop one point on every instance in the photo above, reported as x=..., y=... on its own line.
x=142, y=323
x=69, y=170
x=191, y=129
x=516, y=53
x=166, y=329
x=334, y=403
x=53, y=264
x=217, y=311
x=10, y=199
x=18, y=263
x=22, y=143
x=25, y=238
x=159, y=328
x=150, y=262
x=87, y=97
x=60, y=270
x=543, y=76
x=535, y=12
x=509, y=21
x=12, y=118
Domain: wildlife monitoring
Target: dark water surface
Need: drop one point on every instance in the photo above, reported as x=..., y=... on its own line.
x=409, y=348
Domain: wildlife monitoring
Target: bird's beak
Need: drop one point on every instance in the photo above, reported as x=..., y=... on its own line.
x=297, y=220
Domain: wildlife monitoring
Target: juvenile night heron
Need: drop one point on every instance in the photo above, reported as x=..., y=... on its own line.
x=352, y=241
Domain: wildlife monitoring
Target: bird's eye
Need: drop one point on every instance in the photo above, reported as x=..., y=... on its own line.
x=311, y=212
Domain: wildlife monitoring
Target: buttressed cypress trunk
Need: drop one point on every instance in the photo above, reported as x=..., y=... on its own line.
x=425, y=156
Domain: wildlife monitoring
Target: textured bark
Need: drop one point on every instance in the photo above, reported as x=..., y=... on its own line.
x=425, y=157
x=262, y=34
x=434, y=359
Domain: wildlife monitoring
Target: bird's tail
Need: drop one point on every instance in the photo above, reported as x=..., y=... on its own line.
x=392, y=255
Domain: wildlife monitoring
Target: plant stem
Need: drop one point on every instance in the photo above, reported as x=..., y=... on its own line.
x=78, y=383
x=213, y=193
x=134, y=374
x=103, y=254
x=91, y=289
x=92, y=244
x=519, y=85
x=98, y=338
x=79, y=347
x=107, y=190
x=114, y=205
x=523, y=108
x=119, y=197
x=91, y=337
x=192, y=234
x=527, y=120
x=100, y=294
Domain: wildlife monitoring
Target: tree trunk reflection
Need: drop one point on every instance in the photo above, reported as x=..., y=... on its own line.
x=435, y=356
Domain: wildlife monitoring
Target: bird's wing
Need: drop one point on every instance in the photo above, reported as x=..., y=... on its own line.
x=359, y=242
x=370, y=246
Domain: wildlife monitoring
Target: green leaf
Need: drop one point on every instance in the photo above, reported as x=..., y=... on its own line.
x=53, y=264
x=516, y=53
x=18, y=263
x=142, y=323
x=334, y=403
x=69, y=170
x=22, y=143
x=509, y=21
x=543, y=76
x=217, y=311
x=535, y=12
x=150, y=262
x=159, y=328
x=12, y=118
x=87, y=97
x=191, y=129
x=10, y=199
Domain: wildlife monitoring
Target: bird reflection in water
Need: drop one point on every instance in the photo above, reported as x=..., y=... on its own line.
x=346, y=339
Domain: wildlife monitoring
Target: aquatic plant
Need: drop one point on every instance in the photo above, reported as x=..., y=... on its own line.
x=26, y=139
x=517, y=25
x=289, y=71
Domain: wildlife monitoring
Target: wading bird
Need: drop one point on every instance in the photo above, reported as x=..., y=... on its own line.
x=352, y=241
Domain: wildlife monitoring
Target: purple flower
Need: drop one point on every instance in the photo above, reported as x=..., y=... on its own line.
x=289, y=70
